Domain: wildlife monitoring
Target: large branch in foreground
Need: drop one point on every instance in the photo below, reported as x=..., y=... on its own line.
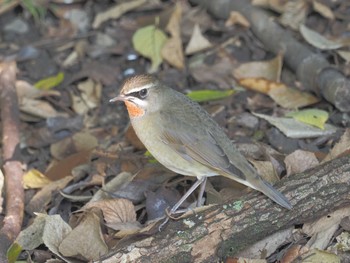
x=224, y=230
x=312, y=69
x=12, y=166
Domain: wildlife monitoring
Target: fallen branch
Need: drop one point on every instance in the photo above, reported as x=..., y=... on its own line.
x=224, y=230
x=312, y=69
x=12, y=167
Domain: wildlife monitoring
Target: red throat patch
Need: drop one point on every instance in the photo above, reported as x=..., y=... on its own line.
x=133, y=110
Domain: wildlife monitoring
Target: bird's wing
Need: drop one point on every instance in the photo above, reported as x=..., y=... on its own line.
x=192, y=137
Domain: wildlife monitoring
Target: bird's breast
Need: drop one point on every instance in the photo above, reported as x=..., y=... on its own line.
x=148, y=130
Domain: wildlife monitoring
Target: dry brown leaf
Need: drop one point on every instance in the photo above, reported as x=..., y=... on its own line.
x=343, y=146
x=323, y=10
x=317, y=40
x=116, y=11
x=219, y=73
x=85, y=240
x=294, y=13
x=317, y=256
x=119, y=215
x=269, y=69
x=276, y=5
x=80, y=141
x=114, y=210
x=291, y=254
x=26, y=90
x=43, y=197
x=323, y=229
x=266, y=170
x=299, y=161
x=39, y=108
x=268, y=245
x=236, y=18
x=292, y=98
x=89, y=97
x=112, y=186
x=65, y=166
x=197, y=42
x=191, y=17
x=172, y=49
x=260, y=84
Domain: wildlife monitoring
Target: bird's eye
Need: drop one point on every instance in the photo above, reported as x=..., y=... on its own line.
x=143, y=93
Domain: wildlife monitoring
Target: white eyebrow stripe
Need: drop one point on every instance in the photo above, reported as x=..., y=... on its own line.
x=139, y=102
x=147, y=86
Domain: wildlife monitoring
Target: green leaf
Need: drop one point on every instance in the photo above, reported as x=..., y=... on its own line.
x=150, y=157
x=314, y=117
x=13, y=252
x=208, y=95
x=50, y=82
x=35, y=9
x=148, y=41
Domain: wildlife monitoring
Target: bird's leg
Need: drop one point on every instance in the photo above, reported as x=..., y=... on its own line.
x=200, y=181
x=201, y=192
x=187, y=194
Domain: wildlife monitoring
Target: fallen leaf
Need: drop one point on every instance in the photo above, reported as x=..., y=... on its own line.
x=319, y=229
x=323, y=10
x=55, y=231
x=51, y=82
x=13, y=252
x=89, y=97
x=317, y=40
x=317, y=256
x=219, y=72
x=43, y=197
x=116, y=11
x=112, y=186
x=39, y=108
x=197, y=42
x=34, y=179
x=236, y=18
x=116, y=210
x=340, y=147
x=269, y=69
x=345, y=55
x=343, y=243
x=26, y=90
x=149, y=41
x=294, y=13
x=299, y=161
x=297, y=130
x=80, y=141
x=314, y=117
x=291, y=98
x=172, y=49
x=208, y=95
x=266, y=170
x=31, y=237
x=268, y=245
x=65, y=166
x=85, y=240
x=261, y=85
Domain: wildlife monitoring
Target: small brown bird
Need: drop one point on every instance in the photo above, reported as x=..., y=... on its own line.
x=183, y=137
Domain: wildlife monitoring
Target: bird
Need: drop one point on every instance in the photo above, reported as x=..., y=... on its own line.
x=183, y=137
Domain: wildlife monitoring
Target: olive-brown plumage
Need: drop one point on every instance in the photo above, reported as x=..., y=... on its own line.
x=183, y=137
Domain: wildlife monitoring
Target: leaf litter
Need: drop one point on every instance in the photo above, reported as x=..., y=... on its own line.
x=63, y=151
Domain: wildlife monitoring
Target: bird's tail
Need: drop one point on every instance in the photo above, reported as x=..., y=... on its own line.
x=275, y=195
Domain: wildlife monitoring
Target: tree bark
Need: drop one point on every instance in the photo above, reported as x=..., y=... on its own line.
x=12, y=166
x=224, y=230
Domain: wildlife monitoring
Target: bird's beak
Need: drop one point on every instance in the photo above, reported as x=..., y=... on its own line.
x=119, y=98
